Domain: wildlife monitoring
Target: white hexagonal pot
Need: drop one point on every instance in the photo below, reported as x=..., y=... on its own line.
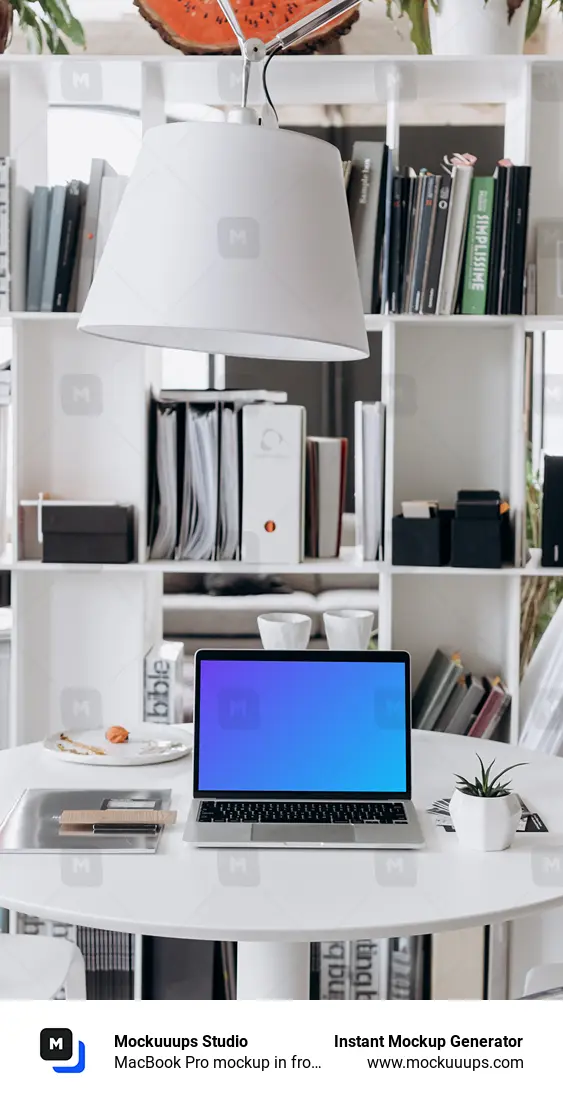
x=475, y=28
x=485, y=824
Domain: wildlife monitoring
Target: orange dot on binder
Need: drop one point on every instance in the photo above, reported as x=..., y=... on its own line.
x=269, y=526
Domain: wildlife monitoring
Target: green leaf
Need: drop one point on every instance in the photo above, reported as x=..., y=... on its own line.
x=534, y=16
x=64, y=20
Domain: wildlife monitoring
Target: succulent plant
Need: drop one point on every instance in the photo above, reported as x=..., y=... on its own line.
x=485, y=786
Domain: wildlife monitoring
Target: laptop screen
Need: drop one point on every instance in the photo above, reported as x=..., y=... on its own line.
x=317, y=723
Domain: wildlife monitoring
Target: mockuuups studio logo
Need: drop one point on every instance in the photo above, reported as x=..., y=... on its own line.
x=229, y=79
x=405, y=395
x=239, y=709
x=81, y=870
x=238, y=238
x=395, y=869
x=547, y=867
x=82, y=82
x=56, y=1045
x=238, y=868
x=82, y=395
x=81, y=708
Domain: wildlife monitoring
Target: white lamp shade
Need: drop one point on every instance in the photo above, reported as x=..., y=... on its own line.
x=232, y=239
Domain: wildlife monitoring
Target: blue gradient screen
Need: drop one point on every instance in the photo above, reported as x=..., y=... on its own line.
x=332, y=726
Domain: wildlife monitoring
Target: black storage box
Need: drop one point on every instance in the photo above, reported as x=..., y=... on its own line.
x=423, y=541
x=477, y=543
x=88, y=534
x=481, y=534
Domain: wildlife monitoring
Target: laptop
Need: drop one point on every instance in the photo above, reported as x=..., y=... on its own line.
x=302, y=750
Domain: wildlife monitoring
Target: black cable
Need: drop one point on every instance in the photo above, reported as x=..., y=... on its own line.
x=265, y=83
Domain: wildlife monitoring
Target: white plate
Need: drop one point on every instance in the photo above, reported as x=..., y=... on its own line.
x=147, y=744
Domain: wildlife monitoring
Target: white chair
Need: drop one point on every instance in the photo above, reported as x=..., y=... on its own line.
x=37, y=967
x=544, y=982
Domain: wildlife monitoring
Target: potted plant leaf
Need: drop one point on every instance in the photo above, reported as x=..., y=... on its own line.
x=484, y=810
x=47, y=24
x=471, y=27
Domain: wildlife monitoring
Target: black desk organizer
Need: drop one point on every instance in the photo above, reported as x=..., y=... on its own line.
x=481, y=533
x=474, y=535
x=88, y=534
x=423, y=541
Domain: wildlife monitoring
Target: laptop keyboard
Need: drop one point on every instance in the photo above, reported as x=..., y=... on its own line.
x=305, y=813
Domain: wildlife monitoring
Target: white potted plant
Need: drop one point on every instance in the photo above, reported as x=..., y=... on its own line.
x=484, y=811
x=471, y=27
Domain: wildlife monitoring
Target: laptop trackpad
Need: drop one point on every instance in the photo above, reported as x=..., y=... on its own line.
x=265, y=833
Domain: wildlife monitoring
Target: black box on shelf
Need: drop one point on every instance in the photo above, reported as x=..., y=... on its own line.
x=481, y=532
x=89, y=534
x=423, y=541
x=477, y=543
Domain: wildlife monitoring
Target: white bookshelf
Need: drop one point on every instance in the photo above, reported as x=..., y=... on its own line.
x=453, y=387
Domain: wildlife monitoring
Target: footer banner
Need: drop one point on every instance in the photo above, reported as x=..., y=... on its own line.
x=276, y=1048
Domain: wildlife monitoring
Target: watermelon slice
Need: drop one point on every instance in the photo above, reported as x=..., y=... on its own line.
x=199, y=26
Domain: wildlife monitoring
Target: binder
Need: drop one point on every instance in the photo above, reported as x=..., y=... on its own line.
x=273, y=483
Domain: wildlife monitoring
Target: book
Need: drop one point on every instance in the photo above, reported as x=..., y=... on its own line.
x=397, y=219
x=463, y=705
x=478, y=246
x=549, y=267
x=369, y=476
x=163, y=698
x=499, y=177
x=430, y=294
x=504, y=215
x=454, y=242
x=273, y=483
x=100, y=169
x=110, y=197
x=427, y=219
x=434, y=689
x=205, y=397
x=38, y=233
x=324, y=498
x=380, y=300
x=5, y=235
x=416, y=200
x=53, y=248
x=74, y=200
x=496, y=704
x=514, y=299
x=364, y=203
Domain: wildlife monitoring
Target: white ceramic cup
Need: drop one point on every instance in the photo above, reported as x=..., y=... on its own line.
x=348, y=629
x=284, y=630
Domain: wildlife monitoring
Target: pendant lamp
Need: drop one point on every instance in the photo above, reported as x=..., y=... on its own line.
x=234, y=238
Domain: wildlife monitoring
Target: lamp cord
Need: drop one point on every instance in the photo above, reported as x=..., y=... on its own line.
x=277, y=50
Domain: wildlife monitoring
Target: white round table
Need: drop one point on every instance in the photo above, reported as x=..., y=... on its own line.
x=275, y=902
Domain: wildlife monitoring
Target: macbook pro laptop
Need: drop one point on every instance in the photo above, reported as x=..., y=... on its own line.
x=302, y=749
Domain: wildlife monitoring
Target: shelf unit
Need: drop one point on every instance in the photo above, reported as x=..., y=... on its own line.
x=453, y=387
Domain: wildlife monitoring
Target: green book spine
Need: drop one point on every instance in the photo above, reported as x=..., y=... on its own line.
x=478, y=246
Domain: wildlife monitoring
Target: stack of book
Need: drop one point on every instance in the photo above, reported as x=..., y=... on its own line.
x=452, y=700
x=69, y=229
x=442, y=243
